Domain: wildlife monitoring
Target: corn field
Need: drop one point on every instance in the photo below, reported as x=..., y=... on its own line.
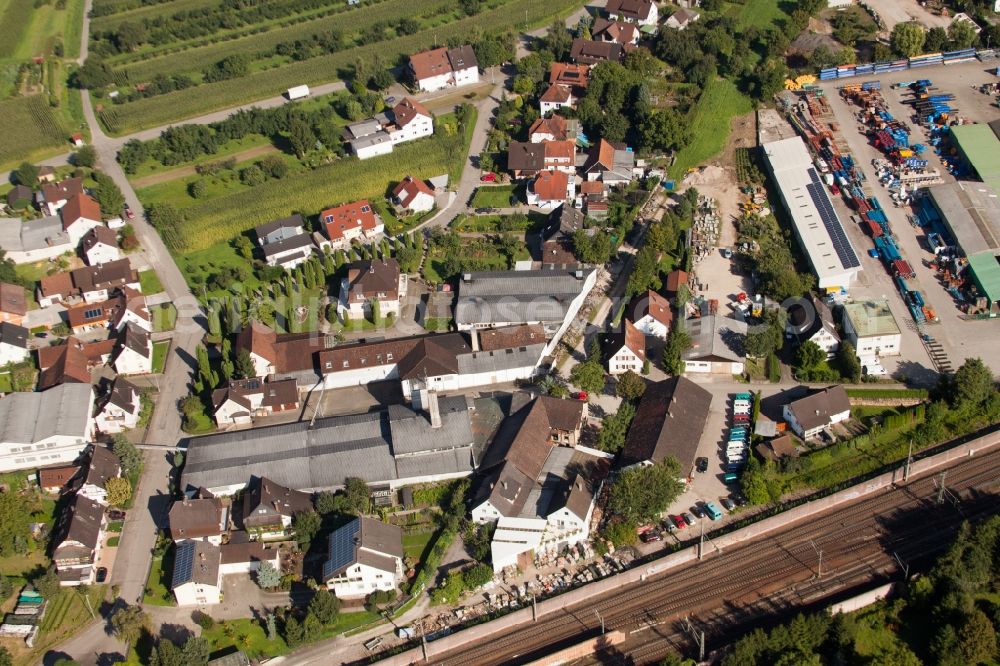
x=31, y=124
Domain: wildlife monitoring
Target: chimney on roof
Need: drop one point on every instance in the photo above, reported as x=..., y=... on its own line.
x=433, y=409
x=474, y=337
x=504, y=484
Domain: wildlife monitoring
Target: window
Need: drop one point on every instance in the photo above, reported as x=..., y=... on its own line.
x=329, y=365
x=346, y=364
x=365, y=209
x=388, y=356
x=92, y=313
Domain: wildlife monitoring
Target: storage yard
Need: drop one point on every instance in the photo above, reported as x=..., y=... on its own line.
x=880, y=137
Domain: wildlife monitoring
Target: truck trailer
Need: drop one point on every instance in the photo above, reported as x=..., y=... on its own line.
x=298, y=92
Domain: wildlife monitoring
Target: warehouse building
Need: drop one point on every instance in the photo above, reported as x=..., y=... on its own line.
x=818, y=229
x=970, y=212
x=872, y=329
x=979, y=146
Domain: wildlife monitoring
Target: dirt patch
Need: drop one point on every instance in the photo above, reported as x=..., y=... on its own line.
x=184, y=172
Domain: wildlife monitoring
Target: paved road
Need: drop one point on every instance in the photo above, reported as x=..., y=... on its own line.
x=152, y=495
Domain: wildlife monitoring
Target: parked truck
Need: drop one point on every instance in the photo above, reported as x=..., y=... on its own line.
x=298, y=92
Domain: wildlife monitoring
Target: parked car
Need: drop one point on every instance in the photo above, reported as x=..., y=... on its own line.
x=739, y=498
x=580, y=395
x=727, y=504
x=128, y=212
x=701, y=464
x=714, y=513
x=102, y=574
x=679, y=521
x=488, y=177
x=668, y=525
x=689, y=519
x=651, y=536
x=390, y=100
x=698, y=511
x=115, y=514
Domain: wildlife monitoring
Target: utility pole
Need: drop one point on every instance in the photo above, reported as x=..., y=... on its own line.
x=698, y=636
x=941, y=489
x=909, y=460
x=819, y=552
x=902, y=565
x=701, y=541
x=601, y=618
x=423, y=639
x=534, y=608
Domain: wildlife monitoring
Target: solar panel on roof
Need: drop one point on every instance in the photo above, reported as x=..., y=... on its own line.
x=341, y=547
x=183, y=564
x=841, y=245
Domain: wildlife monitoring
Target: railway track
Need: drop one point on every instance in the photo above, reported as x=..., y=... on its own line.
x=738, y=587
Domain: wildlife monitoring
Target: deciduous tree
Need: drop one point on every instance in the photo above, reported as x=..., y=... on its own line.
x=644, y=492
x=119, y=491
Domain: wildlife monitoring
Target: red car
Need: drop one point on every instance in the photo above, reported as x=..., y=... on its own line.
x=488, y=177
x=128, y=212
x=580, y=395
x=651, y=536
x=679, y=521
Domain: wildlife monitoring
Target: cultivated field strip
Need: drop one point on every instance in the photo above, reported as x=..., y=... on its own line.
x=771, y=567
x=144, y=12
x=181, y=59
x=176, y=106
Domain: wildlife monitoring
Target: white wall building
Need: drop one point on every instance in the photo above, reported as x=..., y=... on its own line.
x=627, y=351
x=100, y=245
x=136, y=355
x=45, y=428
x=363, y=556
x=13, y=343
x=120, y=410
x=871, y=328
x=442, y=68
x=818, y=229
x=716, y=346
x=809, y=416
x=197, y=579
x=34, y=240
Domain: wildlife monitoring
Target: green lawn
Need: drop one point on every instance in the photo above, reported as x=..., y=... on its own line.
x=113, y=541
x=415, y=544
x=115, y=526
x=66, y=614
x=149, y=282
x=160, y=350
x=709, y=123
x=498, y=223
x=164, y=317
x=151, y=167
x=157, y=592
x=757, y=13
x=251, y=637
x=437, y=324
x=492, y=196
x=5, y=383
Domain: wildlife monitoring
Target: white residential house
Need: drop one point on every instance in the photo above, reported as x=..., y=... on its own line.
x=627, y=351
x=13, y=343
x=363, y=556
x=120, y=410
x=813, y=321
x=442, y=68
x=640, y=12
x=245, y=557
x=269, y=508
x=368, y=282
x=555, y=97
x=200, y=517
x=53, y=196
x=406, y=121
x=681, y=19
x=197, y=579
x=651, y=314
x=45, y=428
x=410, y=121
x=243, y=399
x=550, y=189
x=349, y=222
x=80, y=532
x=100, y=245
x=414, y=195
x=716, y=346
x=79, y=215
x=102, y=465
x=809, y=416
x=136, y=355
x=284, y=242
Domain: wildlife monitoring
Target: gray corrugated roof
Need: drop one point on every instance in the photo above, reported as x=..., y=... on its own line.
x=295, y=242
x=518, y=296
x=18, y=236
x=501, y=359
x=358, y=445
x=27, y=418
x=364, y=128
x=381, y=136
x=718, y=338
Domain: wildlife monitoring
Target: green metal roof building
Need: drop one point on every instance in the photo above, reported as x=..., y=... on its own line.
x=985, y=270
x=980, y=147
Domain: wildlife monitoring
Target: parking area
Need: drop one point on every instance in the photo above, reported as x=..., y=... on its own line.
x=958, y=339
